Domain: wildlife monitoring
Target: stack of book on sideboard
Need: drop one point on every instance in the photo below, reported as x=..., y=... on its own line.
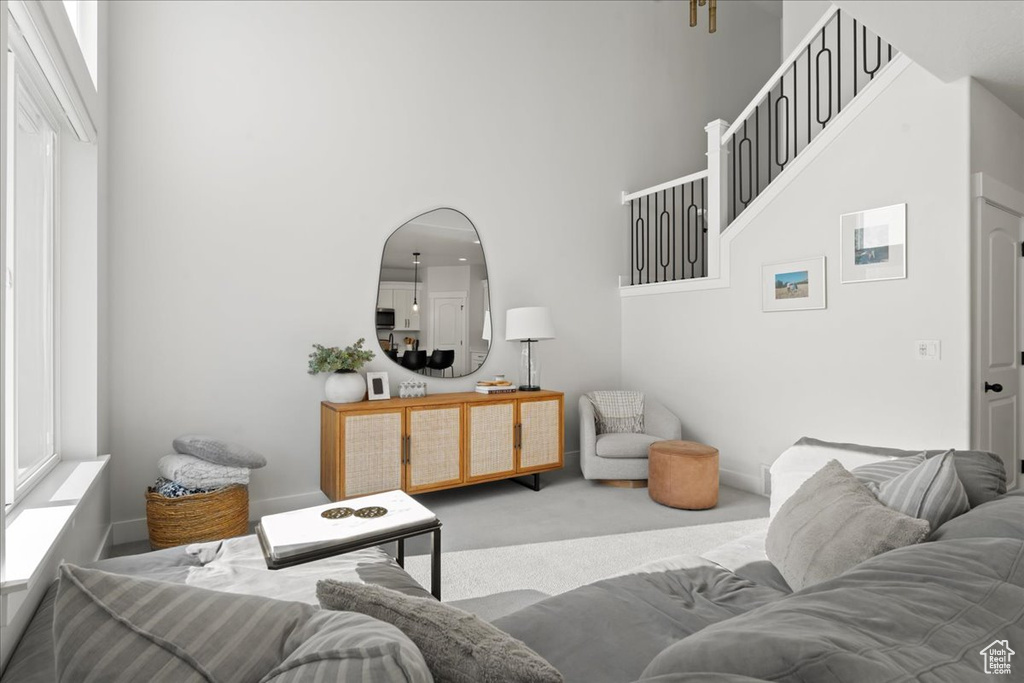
x=498, y=386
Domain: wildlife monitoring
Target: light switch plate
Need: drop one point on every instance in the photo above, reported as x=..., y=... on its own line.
x=928, y=349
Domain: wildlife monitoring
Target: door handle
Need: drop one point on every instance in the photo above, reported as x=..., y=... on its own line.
x=996, y=388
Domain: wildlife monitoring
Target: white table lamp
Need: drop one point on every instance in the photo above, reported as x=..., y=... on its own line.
x=529, y=325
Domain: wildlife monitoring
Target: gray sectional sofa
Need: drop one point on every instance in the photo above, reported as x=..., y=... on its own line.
x=921, y=612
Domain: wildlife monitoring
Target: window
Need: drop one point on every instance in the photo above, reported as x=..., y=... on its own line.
x=84, y=15
x=30, y=273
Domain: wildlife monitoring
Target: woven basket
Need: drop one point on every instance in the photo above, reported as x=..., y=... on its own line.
x=194, y=519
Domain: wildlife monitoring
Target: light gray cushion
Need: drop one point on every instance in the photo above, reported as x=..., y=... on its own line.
x=618, y=412
x=219, y=452
x=833, y=523
x=458, y=647
x=982, y=473
x=624, y=445
x=114, y=628
x=930, y=490
x=999, y=518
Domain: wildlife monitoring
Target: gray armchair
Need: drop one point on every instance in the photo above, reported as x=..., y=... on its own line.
x=615, y=458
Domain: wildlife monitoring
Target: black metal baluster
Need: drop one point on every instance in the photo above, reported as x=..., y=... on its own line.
x=808, y=93
x=855, y=58
x=757, y=150
x=665, y=232
x=703, y=225
x=750, y=158
x=657, y=233
x=823, y=50
x=878, y=53
x=647, y=259
x=779, y=110
x=839, y=59
x=796, y=111
x=673, y=228
x=692, y=247
x=768, y=151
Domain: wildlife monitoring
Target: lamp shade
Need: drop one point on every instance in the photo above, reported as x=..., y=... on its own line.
x=532, y=322
x=487, y=326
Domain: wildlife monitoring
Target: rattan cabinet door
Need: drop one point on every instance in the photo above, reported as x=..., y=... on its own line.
x=372, y=447
x=434, y=448
x=540, y=439
x=491, y=440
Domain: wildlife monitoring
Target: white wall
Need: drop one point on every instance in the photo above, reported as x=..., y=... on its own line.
x=751, y=383
x=997, y=138
x=261, y=153
x=798, y=16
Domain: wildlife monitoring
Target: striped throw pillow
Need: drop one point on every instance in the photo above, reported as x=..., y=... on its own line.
x=931, y=490
x=879, y=472
x=115, y=629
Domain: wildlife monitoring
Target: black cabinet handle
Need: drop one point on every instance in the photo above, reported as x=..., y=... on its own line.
x=993, y=387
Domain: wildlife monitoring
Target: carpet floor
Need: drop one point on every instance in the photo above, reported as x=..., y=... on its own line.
x=554, y=567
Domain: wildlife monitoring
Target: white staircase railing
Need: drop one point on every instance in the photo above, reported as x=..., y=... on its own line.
x=676, y=227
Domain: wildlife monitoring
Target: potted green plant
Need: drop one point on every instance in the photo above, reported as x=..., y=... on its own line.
x=345, y=384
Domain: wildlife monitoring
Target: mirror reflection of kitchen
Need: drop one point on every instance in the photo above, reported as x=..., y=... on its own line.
x=433, y=303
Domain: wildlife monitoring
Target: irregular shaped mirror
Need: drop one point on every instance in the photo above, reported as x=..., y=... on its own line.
x=433, y=303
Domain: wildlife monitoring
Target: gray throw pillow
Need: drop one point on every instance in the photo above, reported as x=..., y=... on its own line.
x=219, y=452
x=831, y=524
x=458, y=646
x=982, y=473
x=113, y=628
x=931, y=490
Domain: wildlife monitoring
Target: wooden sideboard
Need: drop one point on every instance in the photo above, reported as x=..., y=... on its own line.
x=438, y=442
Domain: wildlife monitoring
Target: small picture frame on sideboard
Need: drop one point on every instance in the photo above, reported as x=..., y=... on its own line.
x=377, y=387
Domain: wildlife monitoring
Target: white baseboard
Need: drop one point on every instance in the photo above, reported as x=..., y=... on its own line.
x=741, y=481
x=131, y=530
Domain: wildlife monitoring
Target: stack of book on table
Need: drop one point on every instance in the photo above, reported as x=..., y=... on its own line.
x=495, y=387
x=291, y=537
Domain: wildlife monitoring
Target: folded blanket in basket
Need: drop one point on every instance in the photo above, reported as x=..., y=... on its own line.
x=172, y=489
x=194, y=473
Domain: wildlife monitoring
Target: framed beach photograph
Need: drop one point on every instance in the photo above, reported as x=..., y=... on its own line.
x=793, y=285
x=873, y=244
x=377, y=387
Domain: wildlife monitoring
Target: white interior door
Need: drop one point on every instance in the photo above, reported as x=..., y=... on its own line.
x=448, y=327
x=997, y=412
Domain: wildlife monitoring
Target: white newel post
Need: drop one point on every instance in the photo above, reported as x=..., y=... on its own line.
x=718, y=179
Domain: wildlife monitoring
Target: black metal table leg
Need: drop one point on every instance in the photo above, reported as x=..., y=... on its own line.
x=535, y=486
x=435, y=565
x=400, y=553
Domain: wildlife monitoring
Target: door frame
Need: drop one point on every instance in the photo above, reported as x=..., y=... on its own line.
x=460, y=359
x=987, y=190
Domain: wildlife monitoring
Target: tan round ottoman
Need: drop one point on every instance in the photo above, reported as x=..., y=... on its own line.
x=683, y=474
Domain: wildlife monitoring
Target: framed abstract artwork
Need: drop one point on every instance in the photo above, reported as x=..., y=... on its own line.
x=873, y=244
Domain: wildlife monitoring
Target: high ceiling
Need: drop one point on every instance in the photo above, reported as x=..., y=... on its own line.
x=979, y=38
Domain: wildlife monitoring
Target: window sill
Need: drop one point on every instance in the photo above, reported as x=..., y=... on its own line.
x=35, y=525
